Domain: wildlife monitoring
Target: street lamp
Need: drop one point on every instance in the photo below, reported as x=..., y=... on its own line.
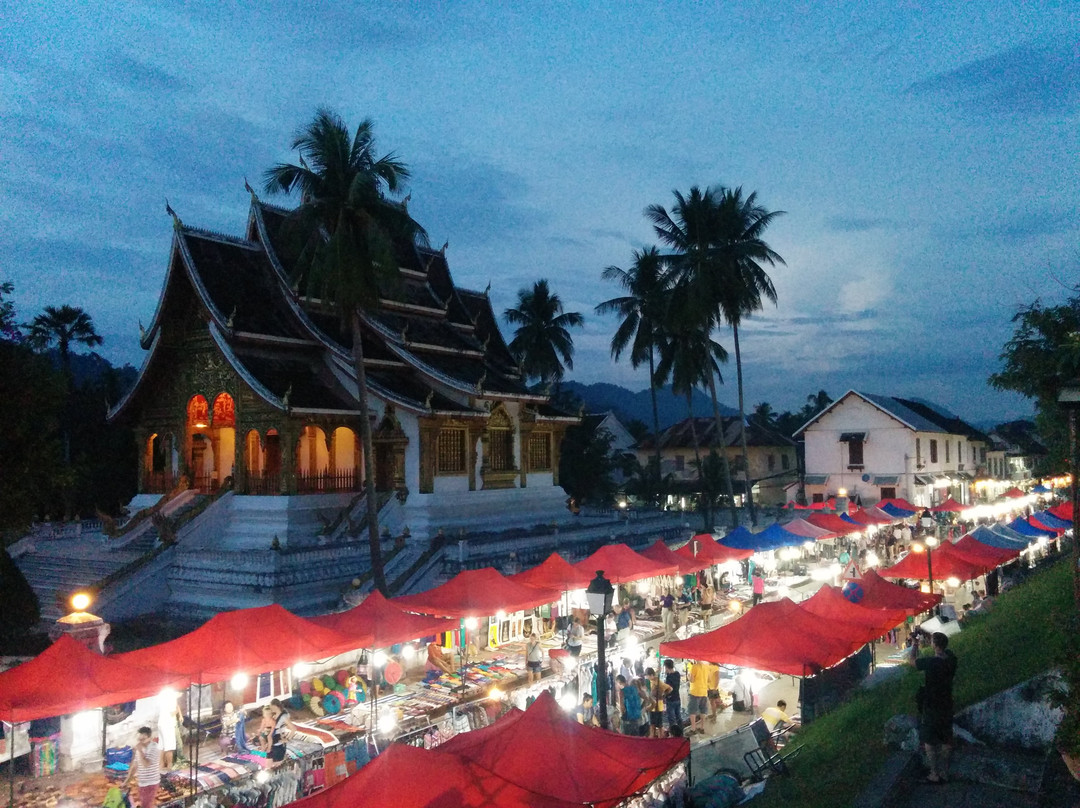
x=599, y=594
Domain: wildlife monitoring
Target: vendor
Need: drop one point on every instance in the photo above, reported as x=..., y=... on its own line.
x=435, y=659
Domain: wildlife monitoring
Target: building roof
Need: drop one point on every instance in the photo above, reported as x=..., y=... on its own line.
x=1018, y=437
x=681, y=434
x=428, y=346
x=917, y=415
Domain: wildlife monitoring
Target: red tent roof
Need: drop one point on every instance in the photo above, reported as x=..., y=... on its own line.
x=1063, y=511
x=898, y=502
x=807, y=529
x=874, y=592
x=945, y=565
x=833, y=523
x=378, y=623
x=1013, y=493
x=252, y=641
x=621, y=564
x=554, y=573
x=409, y=777
x=829, y=603
x=477, y=593
x=980, y=553
x=662, y=554
x=546, y=751
x=709, y=549
x=873, y=516
x=774, y=636
x=68, y=677
x=949, y=506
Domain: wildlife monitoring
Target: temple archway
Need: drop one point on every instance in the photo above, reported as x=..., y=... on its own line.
x=223, y=425
x=345, y=459
x=312, y=460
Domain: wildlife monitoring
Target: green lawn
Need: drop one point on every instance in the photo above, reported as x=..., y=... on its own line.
x=844, y=749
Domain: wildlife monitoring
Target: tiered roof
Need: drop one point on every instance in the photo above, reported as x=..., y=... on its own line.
x=430, y=347
x=680, y=435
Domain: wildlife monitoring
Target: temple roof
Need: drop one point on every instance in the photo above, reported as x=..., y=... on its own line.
x=428, y=346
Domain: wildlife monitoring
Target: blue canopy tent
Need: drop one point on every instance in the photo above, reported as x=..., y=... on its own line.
x=1006, y=532
x=1025, y=528
x=1049, y=520
x=771, y=538
x=1010, y=540
x=1040, y=489
x=895, y=510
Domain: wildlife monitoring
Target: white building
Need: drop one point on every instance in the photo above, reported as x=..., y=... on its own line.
x=880, y=447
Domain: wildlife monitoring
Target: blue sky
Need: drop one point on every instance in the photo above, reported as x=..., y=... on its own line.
x=926, y=155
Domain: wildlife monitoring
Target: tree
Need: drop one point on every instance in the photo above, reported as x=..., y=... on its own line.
x=765, y=414
x=646, y=284
x=586, y=465
x=9, y=328
x=542, y=341
x=690, y=360
x=350, y=226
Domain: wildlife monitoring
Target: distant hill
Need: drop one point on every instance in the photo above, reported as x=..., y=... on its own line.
x=627, y=405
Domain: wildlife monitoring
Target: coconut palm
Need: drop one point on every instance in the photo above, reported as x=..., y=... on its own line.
x=646, y=284
x=765, y=414
x=350, y=226
x=542, y=342
x=689, y=361
x=64, y=327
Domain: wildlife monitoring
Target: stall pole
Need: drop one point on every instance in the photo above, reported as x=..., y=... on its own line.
x=104, y=741
x=11, y=762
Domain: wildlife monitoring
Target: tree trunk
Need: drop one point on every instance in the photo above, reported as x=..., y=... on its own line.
x=724, y=465
x=703, y=500
x=655, y=419
x=369, y=458
x=742, y=430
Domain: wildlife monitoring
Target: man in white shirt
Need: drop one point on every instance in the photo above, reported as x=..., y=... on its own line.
x=145, y=768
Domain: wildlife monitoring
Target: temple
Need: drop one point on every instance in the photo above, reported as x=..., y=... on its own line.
x=251, y=382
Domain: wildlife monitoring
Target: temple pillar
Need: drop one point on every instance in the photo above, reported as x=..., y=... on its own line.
x=429, y=435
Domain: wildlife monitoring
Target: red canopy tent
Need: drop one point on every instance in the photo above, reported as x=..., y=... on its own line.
x=807, y=529
x=252, y=641
x=945, y=565
x=969, y=545
x=873, y=516
x=477, y=593
x=775, y=636
x=899, y=502
x=68, y=677
x=833, y=523
x=1063, y=511
x=704, y=547
x=378, y=623
x=829, y=603
x=409, y=777
x=581, y=765
x=871, y=591
x=1013, y=493
x=622, y=565
x=949, y=506
x=662, y=554
x=554, y=573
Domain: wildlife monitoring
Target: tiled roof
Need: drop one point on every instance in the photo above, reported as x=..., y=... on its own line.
x=894, y=407
x=681, y=435
x=950, y=423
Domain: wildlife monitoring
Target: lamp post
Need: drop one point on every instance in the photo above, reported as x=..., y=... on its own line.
x=599, y=595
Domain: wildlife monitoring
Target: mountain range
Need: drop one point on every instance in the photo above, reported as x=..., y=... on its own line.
x=628, y=405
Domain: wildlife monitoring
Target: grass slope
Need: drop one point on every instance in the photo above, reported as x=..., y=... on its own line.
x=844, y=749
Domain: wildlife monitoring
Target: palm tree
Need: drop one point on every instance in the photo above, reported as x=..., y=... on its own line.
x=690, y=361
x=64, y=327
x=542, y=341
x=646, y=284
x=765, y=414
x=690, y=230
x=350, y=226
x=718, y=234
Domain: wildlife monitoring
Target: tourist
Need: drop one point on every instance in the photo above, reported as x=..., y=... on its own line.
x=673, y=700
x=624, y=621
x=266, y=729
x=758, y=587
x=168, y=715
x=574, y=634
x=708, y=595
x=629, y=706
x=435, y=659
x=658, y=690
x=698, y=703
x=585, y=713
x=667, y=613
x=145, y=768
x=742, y=696
x=935, y=702
x=777, y=717
x=646, y=704
x=533, y=657
x=715, y=701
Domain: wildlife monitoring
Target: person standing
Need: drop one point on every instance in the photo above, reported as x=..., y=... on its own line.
x=708, y=595
x=673, y=700
x=574, y=635
x=168, y=717
x=936, y=704
x=624, y=621
x=758, y=584
x=658, y=691
x=533, y=658
x=630, y=706
x=715, y=702
x=698, y=703
x=145, y=768
x=282, y=728
x=667, y=613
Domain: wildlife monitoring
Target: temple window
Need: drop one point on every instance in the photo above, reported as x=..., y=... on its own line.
x=450, y=454
x=198, y=413
x=224, y=411
x=540, y=451
x=502, y=450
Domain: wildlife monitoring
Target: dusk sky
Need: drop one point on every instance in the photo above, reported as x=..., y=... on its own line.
x=927, y=156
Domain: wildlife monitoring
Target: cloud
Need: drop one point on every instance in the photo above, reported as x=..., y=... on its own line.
x=140, y=75
x=1029, y=79
x=859, y=224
